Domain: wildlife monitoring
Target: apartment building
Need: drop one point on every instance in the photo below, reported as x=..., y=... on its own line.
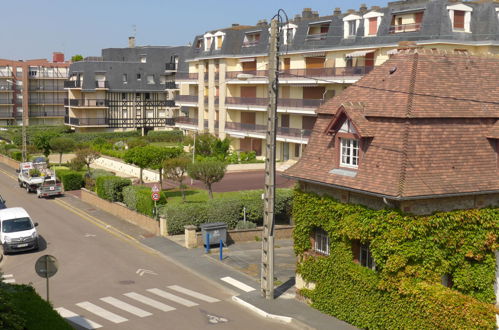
x=124, y=89
x=224, y=90
x=35, y=86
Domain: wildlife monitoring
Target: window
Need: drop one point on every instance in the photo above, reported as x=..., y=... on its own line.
x=373, y=26
x=150, y=79
x=371, y=23
x=199, y=43
x=352, y=28
x=318, y=31
x=289, y=33
x=349, y=153
x=447, y=280
x=365, y=257
x=350, y=25
x=147, y=96
x=125, y=78
x=139, y=77
x=143, y=59
x=321, y=241
x=123, y=96
x=251, y=39
x=406, y=22
x=460, y=16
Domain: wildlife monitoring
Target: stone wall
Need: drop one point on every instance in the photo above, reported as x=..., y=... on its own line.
x=9, y=162
x=121, y=211
x=251, y=235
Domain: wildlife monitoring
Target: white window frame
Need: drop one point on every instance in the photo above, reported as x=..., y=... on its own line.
x=216, y=38
x=467, y=16
x=250, y=39
x=321, y=241
x=349, y=153
x=365, y=257
x=289, y=29
x=150, y=79
x=208, y=38
x=366, y=18
x=347, y=20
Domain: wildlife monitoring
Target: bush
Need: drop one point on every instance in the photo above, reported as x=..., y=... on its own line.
x=90, y=180
x=138, y=198
x=76, y=164
x=165, y=136
x=253, y=202
x=245, y=225
x=247, y=157
x=111, y=187
x=134, y=142
x=90, y=137
x=71, y=180
x=15, y=154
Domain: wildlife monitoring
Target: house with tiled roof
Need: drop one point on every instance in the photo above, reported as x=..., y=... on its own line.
x=405, y=158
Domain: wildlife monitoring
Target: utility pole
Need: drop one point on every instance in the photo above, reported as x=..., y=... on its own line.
x=267, y=272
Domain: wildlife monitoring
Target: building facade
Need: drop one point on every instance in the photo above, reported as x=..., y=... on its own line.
x=124, y=89
x=34, y=86
x=224, y=90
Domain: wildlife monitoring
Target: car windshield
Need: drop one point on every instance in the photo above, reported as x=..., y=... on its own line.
x=13, y=225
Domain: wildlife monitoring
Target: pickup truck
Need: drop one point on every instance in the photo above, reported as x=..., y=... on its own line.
x=37, y=177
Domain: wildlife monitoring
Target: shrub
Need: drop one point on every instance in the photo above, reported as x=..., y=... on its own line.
x=76, y=164
x=165, y=136
x=247, y=157
x=138, y=198
x=90, y=137
x=245, y=225
x=253, y=202
x=134, y=142
x=71, y=180
x=90, y=180
x=15, y=154
x=111, y=187
x=34, y=172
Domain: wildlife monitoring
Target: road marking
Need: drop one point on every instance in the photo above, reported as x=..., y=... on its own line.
x=237, y=284
x=76, y=319
x=173, y=297
x=141, y=272
x=125, y=306
x=89, y=235
x=149, y=301
x=99, y=311
x=194, y=294
x=8, y=278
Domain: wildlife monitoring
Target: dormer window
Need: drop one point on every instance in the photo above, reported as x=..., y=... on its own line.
x=199, y=43
x=219, y=39
x=289, y=33
x=406, y=22
x=350, y=25
x=318, y=30
x=251, y=39
x=460, y=17
x=208, y=37
x=143, y=59
x=349, y=153
x=372, y=21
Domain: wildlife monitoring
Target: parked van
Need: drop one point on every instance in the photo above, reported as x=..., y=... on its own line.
x=17, y=230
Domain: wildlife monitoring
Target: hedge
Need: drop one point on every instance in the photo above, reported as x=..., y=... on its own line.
x=71, y=180
x=165, y=136
x=111, y=187
x=138, y=198
x=22, y=308
x=411, y=254
x=253, y=202
x=90, y=137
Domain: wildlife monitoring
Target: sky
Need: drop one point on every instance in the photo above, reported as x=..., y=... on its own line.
x=34, y=29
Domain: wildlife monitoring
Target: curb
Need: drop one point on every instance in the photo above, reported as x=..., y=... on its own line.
x=280, y=318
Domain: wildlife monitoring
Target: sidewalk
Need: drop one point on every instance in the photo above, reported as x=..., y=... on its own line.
x=237, y=273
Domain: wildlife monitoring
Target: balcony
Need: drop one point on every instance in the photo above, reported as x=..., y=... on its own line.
x=34, y=101
x=283, y=132
x=86, y=121
x=6, y=102
x=186, y=76
x=172, y=66
x=262, y=103
x=182, y=99
x=102, y=84
x=72, y=84
x=47, y=113
x=326, y=72
x=49, y=75
x=170, y=85
x=253, y=73
x=401, y=28
x=316, y=36
x=7, y=114
x=88, y=103
x=6, y=74
x=179, y=121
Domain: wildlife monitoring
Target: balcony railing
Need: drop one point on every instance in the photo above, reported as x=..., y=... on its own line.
x=186, y=76
x=86, y=102
x=49, y=75
x=101, y=84
x=280, y=131
x=170, y=85
x=405, y=28
x=45, y=101
x=172, y=66
x=187, y=98
x=306, y=73
x=87, y=121
x=6, y=114
x=186, y=121
x=316, y=36
x=72, y=84
x=254, y=73
x=46, y=113
x=263, y=101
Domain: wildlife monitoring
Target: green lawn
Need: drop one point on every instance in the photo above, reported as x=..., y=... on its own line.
x=195, y=195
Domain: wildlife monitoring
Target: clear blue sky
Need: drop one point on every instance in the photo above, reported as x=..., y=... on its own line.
x=35, y=28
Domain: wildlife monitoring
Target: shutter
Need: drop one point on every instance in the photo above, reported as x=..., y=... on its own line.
x=418, y=17
x=249, y=66
x=248, y=91
x=369, y=60
x=324, y=28
x=245, y=144
x=308, y=122
x=314, y=62
x=248, y=118
x=256, y=146
x=285, y=92
x=313, y=93
x=459, y=19
x=373, y=26
x=284, y=120
x=287, y=63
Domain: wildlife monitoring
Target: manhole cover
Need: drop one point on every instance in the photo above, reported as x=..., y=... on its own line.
x=126, y=282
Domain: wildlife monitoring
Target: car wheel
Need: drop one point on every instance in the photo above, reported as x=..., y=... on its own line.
x=27, y=189
x=20, y=183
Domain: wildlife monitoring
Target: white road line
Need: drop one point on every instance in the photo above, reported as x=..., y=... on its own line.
x=76, y=319
x=149, y=301
x=125, y=306
x=173, y=297
x=194, y=294
x=99, y=311
x=7, y=276
x=10, y=280
x=237, y=284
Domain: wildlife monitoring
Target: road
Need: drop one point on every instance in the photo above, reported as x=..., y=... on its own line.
x=110, y=281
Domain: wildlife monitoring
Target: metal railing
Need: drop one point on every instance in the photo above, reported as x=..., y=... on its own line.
x=186, y=120
x=7, y=114
x=86, y=102
x=263, y=101
x=254, y=73
x=72, y=84
x=35, y=101
x=101, y=84
x=186, y=98
x=58, y=75
x=170, y=85
x=172, y=66
x=316, y=36
x=186, y=76
x=255, y=128
x=305, y=73
x=46, y=113
x=405, y=28
x=87, y=121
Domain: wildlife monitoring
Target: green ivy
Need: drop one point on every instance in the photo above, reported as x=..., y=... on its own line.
x=411, y=254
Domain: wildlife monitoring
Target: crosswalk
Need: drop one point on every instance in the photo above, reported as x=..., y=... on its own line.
x=9, y=278
x=132, y=304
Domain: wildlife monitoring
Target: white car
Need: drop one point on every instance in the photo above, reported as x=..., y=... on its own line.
x=17, y=230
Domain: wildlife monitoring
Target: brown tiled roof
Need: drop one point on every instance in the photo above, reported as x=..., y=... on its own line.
x=432, y=121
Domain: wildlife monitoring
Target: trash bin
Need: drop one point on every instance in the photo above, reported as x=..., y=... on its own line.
x=217, y=231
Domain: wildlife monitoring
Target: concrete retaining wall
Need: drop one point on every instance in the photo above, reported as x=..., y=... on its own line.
x=120, y=210
x=9, y=162
x=250, y=235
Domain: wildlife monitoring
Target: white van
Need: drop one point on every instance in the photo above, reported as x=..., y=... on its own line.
x=17, y=231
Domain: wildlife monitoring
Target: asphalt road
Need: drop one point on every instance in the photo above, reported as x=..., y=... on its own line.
x=110, y=279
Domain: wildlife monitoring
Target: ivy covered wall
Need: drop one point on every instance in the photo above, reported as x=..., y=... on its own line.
x=412, y=253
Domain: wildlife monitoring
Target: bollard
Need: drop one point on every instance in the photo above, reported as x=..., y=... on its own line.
x=207, y=243
x=221, y=249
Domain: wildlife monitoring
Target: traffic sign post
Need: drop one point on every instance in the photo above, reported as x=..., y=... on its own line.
x=155, y=188
x=46, y=266
x=155, y=197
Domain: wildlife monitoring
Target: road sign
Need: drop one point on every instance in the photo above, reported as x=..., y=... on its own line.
x=155, y=196
x=46, y=266
x=155, y=189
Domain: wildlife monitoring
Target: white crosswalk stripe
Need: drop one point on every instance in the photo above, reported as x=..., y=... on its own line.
x=194, y=294
x=237, y=284
x=125, y=306
x=105, y=314
x=150, y=302
x=9, y=278
x=173, y=297
x=76, y=319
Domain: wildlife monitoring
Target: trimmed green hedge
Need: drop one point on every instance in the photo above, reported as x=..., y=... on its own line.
x=165, y=136
x=138, y=198
x=111, y=187
x=411, y=254
x=22, y=308
x=90, y=137
x=71, y=180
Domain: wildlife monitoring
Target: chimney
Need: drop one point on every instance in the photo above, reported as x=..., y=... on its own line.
x=306, y=13
x=297, y=18
x=337, y=11
x=351, y=11
x=315, y=13
x=131, y=42
x=57, y=57
x=235, y=24
x=375, y=8
x=262, y=22
x=363, y=8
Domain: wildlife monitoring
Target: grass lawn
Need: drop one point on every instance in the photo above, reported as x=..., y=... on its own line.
x=196, y=195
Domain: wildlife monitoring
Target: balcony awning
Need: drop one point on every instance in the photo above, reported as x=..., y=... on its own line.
x=360, y=53
x=247, y=59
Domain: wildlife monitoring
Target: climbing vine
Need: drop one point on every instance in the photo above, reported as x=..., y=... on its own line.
x=412, y=253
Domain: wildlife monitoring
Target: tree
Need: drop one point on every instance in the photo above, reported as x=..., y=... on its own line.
x=41, y=141
x=87, y=156
x=208, y=145
x=175, y=170
x=76, y=58
x=142, y=157
x=162, y=154
x=62, y=145
x=208, y=171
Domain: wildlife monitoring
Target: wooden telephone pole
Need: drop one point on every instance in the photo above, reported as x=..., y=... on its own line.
x=267, y=272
